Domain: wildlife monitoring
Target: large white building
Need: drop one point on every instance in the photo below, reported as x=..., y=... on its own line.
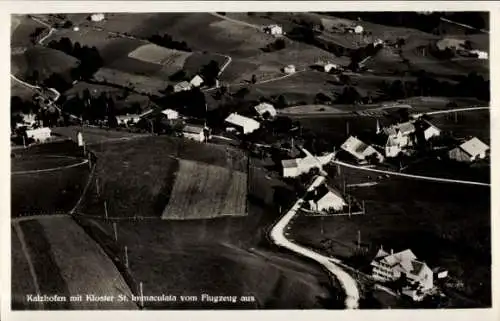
x=471, y=150
x=360, y=150
x=262, y=108
x=40, y=135
x=388, y=267
x=324, y=199
x=243, y=124
x=297, y=166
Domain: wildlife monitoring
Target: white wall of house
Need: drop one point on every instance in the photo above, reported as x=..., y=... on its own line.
x=39, y=134
x=199, y=137
x=431, y=132
x=330, y=201
x=291, y=172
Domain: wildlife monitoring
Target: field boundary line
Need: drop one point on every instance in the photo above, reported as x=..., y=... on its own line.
x=91, y=176
x=24, y=246
x=37, y=217
x=35, y=171
x=240, y=22
x=428, y=178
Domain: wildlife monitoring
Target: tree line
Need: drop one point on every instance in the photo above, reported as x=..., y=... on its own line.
x=168, y=42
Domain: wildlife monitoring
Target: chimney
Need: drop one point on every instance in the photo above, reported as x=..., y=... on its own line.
x=392, y=251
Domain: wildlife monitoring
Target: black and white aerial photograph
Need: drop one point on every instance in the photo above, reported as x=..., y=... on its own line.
x=312, y=160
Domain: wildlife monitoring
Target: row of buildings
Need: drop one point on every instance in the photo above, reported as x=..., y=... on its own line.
x=397, y=138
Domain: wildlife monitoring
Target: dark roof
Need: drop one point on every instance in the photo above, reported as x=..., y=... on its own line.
x=193, y=129
x=318, y=193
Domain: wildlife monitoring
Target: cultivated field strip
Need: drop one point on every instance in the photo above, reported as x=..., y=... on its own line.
x=204, y=191
x=82, y=267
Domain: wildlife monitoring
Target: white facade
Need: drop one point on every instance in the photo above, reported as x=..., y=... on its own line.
x=328, y=67
x=298, y=166
x=480, y=54
x=96, y=17
x=431, y=131
x=39, y=134
x=79, y=138
x=290, y=69
x=245, y=124
x=360, y=150
x=126, y=119
x=358, y=29
x=328, y=201
x=197, y=81
x=194, y=133
x=262, y=108
x=170, y=113
x=274, y=30
x=390, y=267
x=183, y=85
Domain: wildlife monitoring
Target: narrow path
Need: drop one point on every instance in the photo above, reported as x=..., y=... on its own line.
x=241, y=23
x=35, y=171
x=428, y=178
x=278, y=236
x=456, y=110
x=463, y=25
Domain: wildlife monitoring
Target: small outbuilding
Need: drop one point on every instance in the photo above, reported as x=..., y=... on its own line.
x=290, y=69
x=274, y=29
x=243, y=124
x=197, y=81
x=96, y=17
x=182, y=86
x=468, y=152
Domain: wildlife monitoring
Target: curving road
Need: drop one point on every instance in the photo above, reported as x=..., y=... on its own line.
x=278, y=236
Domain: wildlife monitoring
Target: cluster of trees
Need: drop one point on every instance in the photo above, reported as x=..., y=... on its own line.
x=362, y=53
x=93, y=109
x=210, y=73
x=168, y=42
x=279, y=44
x=90, y=59
x=35, y=35
x=472, y=85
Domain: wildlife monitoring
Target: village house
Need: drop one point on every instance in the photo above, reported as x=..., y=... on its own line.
x=182, y=86
x=39, y=135
x=325, y=199
x=290, y=69
x=387, y=267
x=398, y=137
x=196, y=132
x=273, y=30
x=197, y=81
x=243, y=124
x=480, y=54
x=96, y=17
x=263, y=108
x=430, y=130
x=471, y=150
x=125, y=120
x=326, y=66
x=170, y=113
x=298, y=166
x=360, y=150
